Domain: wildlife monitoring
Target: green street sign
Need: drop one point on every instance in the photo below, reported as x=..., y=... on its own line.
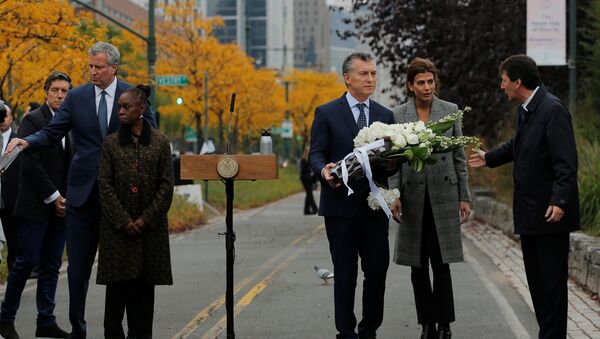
x=190, y=134
x=171, y=80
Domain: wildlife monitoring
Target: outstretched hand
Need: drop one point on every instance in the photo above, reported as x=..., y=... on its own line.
x=14, y=142
x=477, y=159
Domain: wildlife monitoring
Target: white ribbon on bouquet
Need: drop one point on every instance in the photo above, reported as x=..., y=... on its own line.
x=363, y=159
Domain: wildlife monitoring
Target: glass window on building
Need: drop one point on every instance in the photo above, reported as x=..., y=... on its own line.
x=257, y=35
x=222, y=8
x=256, y=8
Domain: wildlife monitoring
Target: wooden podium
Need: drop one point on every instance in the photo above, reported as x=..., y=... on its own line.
x=229, y=167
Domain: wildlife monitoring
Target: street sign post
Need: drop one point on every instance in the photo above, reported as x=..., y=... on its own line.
x=172, y=80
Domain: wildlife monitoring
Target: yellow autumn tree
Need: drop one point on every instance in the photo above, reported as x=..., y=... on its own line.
x=36, y=38
x=260, y=105
x=187, y=47
x=307, y=90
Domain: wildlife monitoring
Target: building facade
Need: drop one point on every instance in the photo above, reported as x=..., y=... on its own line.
x=262, y=28
x=312, y=35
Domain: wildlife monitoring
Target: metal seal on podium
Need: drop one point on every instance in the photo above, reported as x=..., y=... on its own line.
x=227, y=167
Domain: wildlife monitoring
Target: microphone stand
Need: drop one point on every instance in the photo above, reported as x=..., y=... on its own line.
x=229, y=236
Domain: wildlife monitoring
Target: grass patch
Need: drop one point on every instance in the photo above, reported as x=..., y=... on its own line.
x=249, y=194
x=184, y=215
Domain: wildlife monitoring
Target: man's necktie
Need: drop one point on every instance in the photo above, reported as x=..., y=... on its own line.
x=520, y=117
x=362, y=118
x=102, y=113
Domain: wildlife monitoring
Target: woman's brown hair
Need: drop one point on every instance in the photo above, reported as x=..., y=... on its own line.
x=420, y=65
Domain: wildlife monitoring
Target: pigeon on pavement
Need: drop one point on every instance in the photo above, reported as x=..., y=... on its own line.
x=323, y=273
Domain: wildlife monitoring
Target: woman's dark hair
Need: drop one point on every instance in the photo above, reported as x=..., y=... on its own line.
x=420, y=65
x=141, y=93
x=521, y=66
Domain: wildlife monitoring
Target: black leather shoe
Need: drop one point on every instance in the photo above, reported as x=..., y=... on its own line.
x=428, y=331
x=444, y=331
x=7, y=331
x=51, y=331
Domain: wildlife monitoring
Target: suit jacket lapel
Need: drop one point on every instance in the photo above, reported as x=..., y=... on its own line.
x=411, y=111
x=531, y=107
x=373, y=112
x=347, y=115
x=46, y=112
x=436, y=112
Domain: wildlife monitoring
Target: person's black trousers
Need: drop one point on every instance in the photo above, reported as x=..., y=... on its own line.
x=363, y=235
x=10, y=226
x=82, y=225
x=435, y=304
x=546, y=266
x=137, y=298
x=310, y=207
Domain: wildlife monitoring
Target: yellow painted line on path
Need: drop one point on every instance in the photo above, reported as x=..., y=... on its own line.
x=260, y=287
x=204, y=314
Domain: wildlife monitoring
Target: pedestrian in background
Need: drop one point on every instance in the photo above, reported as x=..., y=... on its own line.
x=136, y=190
x=434, y=204
x=40, y=211
x=308, y=182
x=546, y=196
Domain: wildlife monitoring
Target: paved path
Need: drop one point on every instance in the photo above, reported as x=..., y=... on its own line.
x=279, y=296
x=584, y=311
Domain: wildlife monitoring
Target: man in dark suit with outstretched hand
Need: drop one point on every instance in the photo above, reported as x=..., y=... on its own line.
x=546, y=198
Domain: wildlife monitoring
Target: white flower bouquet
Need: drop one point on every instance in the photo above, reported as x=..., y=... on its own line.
x=412, y=142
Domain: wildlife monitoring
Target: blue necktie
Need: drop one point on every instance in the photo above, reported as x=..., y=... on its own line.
x=362, y=118
x=102, y=113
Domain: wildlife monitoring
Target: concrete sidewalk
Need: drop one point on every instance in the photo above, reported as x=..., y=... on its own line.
x=584, y=310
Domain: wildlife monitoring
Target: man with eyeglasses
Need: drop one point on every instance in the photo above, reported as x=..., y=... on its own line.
x=40, y=211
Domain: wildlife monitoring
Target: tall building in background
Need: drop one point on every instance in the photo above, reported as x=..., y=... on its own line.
x=340, y=48
x=262, y=28
x=312, y=35
x=126, y=12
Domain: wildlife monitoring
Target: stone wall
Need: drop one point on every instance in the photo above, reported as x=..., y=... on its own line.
x=584, y=256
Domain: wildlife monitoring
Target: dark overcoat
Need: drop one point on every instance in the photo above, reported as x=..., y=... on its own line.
x=447, y=184
x=136, y=180
x=545, y=167
x=42, y=173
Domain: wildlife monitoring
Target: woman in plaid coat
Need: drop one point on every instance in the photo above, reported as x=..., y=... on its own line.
x=433, y=205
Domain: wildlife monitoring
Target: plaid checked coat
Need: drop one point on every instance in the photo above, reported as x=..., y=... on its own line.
x=447, y=183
